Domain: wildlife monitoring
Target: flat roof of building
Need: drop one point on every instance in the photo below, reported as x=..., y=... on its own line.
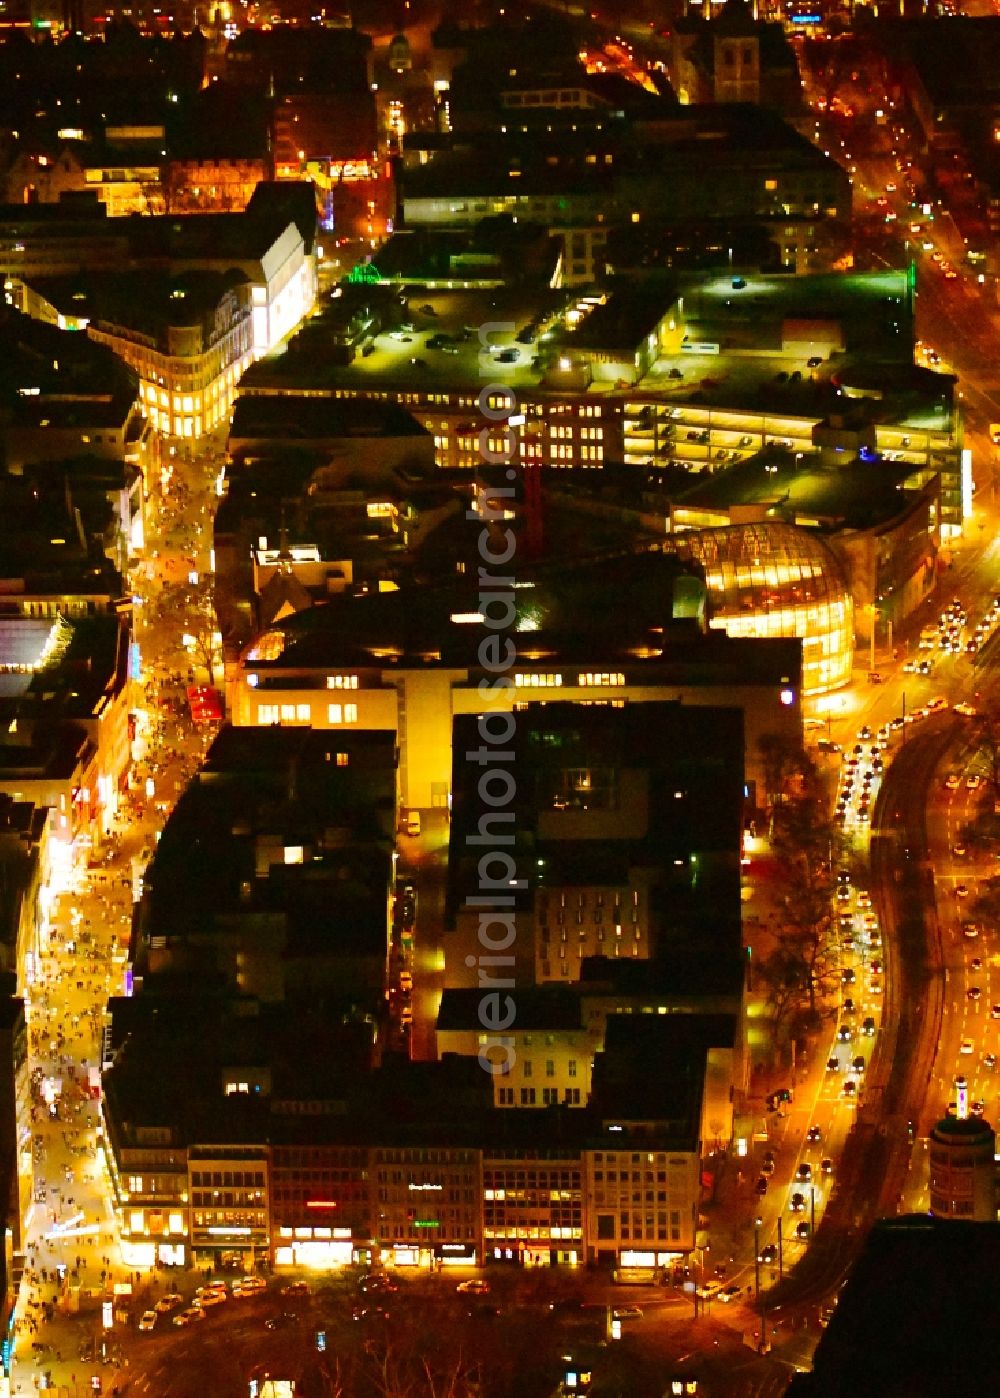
x=856, y=495
x=75, y=664
x=322, y=1089
x=255, y=832
x=543, y=1008
x=744, y=349
x=919, y=1314
x=147, y=301
x=660, y=806
x=621, y=606
x=286, y=420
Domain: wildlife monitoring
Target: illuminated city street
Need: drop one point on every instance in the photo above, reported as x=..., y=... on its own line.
x=500, y=685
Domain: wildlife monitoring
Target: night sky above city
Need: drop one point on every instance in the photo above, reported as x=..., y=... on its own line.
x=500, y=695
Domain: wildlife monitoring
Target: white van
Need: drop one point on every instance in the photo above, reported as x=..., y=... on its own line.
x=413, y=823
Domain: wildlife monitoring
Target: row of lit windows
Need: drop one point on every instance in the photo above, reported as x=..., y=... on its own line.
x=592, y=678
x=302, y=713
x=341, y=681
x=538, y=1234
x=538, y=681
x=580, y=900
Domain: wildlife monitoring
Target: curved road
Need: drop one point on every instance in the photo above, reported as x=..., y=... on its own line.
x=873, y=1169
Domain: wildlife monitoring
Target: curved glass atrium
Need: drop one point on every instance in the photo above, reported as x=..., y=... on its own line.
x=774, y=579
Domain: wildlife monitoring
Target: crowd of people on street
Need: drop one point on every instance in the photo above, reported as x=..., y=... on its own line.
x=73, y=1260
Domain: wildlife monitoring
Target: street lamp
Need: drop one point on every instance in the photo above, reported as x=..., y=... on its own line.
x=781, y=1259
x=756, y=1273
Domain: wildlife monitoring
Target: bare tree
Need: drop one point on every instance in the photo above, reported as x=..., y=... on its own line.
x=803, y=966
x=192, y=607
x=986, y=737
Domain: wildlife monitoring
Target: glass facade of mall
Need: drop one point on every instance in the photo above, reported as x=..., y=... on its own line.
x=772, y=579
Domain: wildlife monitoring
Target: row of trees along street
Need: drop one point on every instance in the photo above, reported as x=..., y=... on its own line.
x=801, y=969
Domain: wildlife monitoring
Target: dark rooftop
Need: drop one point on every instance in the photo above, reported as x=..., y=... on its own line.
x=542, y=1008
x=919, y=1315
x=855, y=495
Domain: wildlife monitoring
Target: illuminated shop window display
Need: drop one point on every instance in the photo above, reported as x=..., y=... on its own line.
x=773, y=579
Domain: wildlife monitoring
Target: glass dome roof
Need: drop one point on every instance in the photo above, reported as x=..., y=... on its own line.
x=775, y=579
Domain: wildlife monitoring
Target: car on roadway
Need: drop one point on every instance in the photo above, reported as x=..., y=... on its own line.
x=296, y=1288
x=833, y=1065
x=767, y=1166
x=966, y=1046
x=802, y=1231
x=189, y=1316
x=974, y=782
x=952, y=782
x=958, y=851
x=281, y=1321
x=369, y=1313
x=974, y=992
x=476, y=1286
x=797, y=1202
x=635, y=1312
x=990, y=1062
x=249, y=1286
x=995, y=1012
x=208, y=1299
x=858, y=1065
x=939, y=703
x=962, y=890
x=168, y=1303
x=814, y=1135
x=729, y=1293
x=803, y=1173
x=768, y=1254
x=965, y=710
x=147, y=1321
x=826, y=1166
x=847, y=976
x=761, y=1186
x=845, y=1034
x=970, y=929
x=850, y=1088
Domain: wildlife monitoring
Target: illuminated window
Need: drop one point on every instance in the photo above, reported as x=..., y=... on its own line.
x=590, y=679
x=268, y=713
x=296, y=713
x=538, y=681
x=341, y=681
x=771, y=184
x=342, y=713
